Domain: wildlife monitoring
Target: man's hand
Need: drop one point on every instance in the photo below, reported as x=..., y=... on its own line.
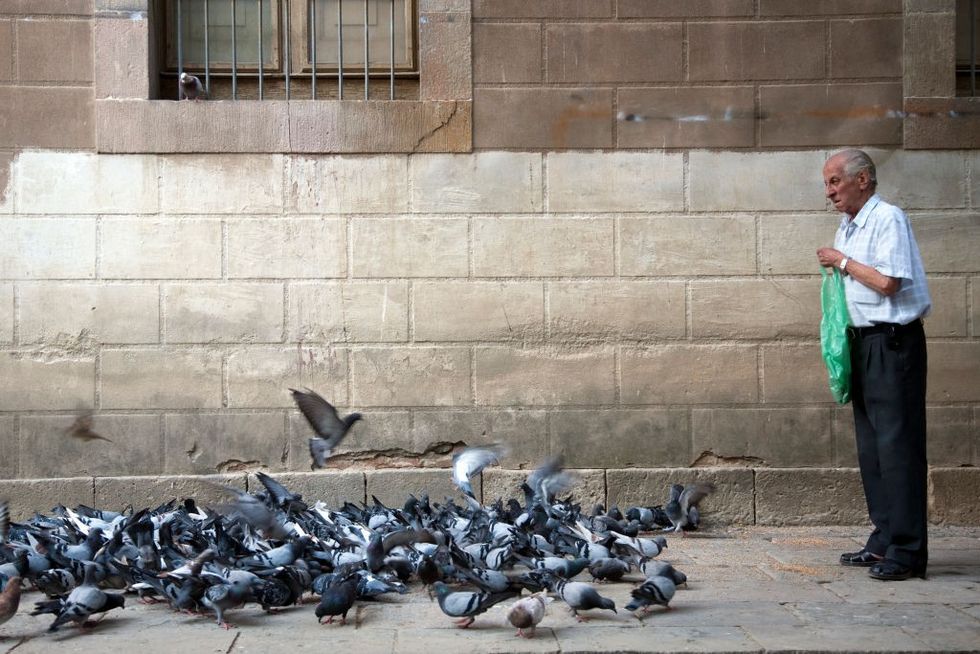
x=829, y=257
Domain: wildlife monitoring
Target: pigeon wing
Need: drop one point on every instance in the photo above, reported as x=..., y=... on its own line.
x=321, y=415
x=694, y=493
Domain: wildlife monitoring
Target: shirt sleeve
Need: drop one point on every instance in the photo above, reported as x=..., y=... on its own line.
x=892, y=246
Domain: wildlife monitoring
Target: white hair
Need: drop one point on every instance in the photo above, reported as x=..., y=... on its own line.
x=857, y=160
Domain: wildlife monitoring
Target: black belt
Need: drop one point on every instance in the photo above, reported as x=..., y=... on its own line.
x=890, y=328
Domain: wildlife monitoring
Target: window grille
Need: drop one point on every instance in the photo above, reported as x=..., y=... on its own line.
x=967, y=46
x=291, y=49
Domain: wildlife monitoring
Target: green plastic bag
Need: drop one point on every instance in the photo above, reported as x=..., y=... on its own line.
x=833, y=335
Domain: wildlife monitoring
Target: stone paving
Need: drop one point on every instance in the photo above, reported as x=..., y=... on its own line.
x=751, y=590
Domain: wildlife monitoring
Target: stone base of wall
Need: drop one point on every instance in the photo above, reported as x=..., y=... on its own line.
x=745, y=496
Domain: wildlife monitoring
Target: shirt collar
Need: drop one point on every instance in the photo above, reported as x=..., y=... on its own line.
x=862, y=216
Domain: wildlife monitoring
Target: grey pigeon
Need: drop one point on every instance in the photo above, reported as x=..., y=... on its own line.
x=81, y=603
x=229, y=593
x=338, y=600
x=191, y=87
x=81, y=429
x=330, y=428
x=608, y=569
x=683, y=501
x=581, y=597
x=527, y=613
x=466, y=605
x=653, y=591
x=663, y=569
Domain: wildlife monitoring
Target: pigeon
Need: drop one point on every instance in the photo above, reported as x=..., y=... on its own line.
x=330, y=428
x=81, y=603
x=608, y=569
x=655, y=590
x=281, y=496
x=191, y=88
x=9, y=599
x=663, y=569
x=82, y=429
x=469, y=463
x=338, y=600
x=4, y=520
x=526, y=614
x=581, y=597
x=466, y=605
x=683, y=501
x=229, y=593
x=56, y=582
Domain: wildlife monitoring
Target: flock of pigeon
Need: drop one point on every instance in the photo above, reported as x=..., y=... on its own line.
x=274, y=549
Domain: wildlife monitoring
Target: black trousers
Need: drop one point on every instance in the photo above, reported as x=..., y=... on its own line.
x=888, y=371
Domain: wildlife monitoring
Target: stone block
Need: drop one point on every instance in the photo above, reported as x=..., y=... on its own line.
x=347, y=312
x=71, y=108
x=869, y=47
x=26, y=496
x=794, y=373
x=160, y=248
x=788, y=243
x=70, y=61
x=161, y=379
x=437, y=376
x=929, y=50
x=797, y=437
x=478, y=311
x=951, y=437
x=543, y=247
x=686, y=117
x=612, y=181
x=718, y=181
x=689, y=9
x=347, y=184
x=53, y=7
x=621, y=438
x=688, y=246
x=409, y=247
x=954, y=372
x=763, y=308
x=444, y=53
x=482, y=181
x=543, y=118
x=542, y=8
x=544, y=376
x=134, y=446
x=949, y=308
x=86, y=183
x=223, y=313
x=117, y=493
x=614, y=52
x=219, y=128
x=332, y=488
x=233, y=183
x=831, y=114
x=940, y=178
x=47, y=380
x=828, y=7
x=209, y=443
x=105, y=313
x=824, y=496
x=392, y=487
x=941, y=123
x=690, y=374
x=634, y=310
x=47, y=249
x=524, y=433
x=6, y=313
x=952, y=496
x=382, y=439
x=9, y=447
x=260, y=377
x=731, y=503
x=6, y=50
x=122, y=40
x=756, y=50
x=287, y=248
x=948, y=243
x=588, y=486
x=507, y=53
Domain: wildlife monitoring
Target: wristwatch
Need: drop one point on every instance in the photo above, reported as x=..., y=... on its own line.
x=843, y=265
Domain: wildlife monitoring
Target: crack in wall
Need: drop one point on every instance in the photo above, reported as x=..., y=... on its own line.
x=422, y=139
x=435, y=455
x=709, y=459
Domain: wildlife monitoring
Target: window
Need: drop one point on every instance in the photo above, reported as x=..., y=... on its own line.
x=967, y=47
x=220, y=41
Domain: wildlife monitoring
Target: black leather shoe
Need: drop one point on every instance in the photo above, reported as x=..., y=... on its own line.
x=863, y=559
x=889, y=570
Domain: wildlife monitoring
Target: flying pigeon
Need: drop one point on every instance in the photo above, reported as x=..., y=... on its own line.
x=330, y=428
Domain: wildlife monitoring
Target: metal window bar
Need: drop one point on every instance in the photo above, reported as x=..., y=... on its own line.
x=973, y=47
x=313, y=48
x=285, y=34
x=261, y=60
x=180, y=48
x=207, y=50
x=340, y=49
x=367, y=57
x=391, y=50
x=234, y=49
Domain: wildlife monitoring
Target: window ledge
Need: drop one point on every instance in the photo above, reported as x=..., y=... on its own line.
x=942, y=123
x=129, y=121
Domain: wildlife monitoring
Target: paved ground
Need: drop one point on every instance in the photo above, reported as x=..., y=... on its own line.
x=751, y=590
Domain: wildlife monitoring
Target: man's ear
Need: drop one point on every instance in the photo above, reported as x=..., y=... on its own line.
x=864, y=180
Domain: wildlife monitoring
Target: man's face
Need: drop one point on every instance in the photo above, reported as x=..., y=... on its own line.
x=847, y=193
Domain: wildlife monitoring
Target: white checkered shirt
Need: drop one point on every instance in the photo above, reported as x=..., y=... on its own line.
x=880, y=236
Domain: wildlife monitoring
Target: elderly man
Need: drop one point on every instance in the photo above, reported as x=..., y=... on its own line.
x=887, y=297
